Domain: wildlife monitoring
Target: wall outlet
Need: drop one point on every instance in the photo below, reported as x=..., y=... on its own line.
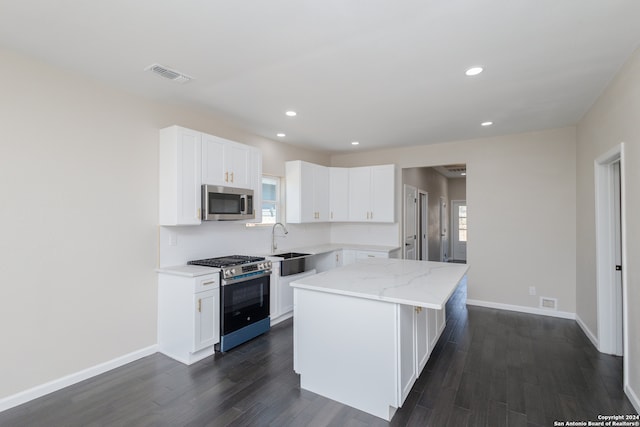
x=532, y=290
x=173, y=239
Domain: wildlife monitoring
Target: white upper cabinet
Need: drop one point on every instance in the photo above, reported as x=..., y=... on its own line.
x=372, y=193
x=189, y=158
x=359, y=194
x=307, y=187
x=383, y=193
x=256, y=184
x=226, y=163
x=317, y=193
x=180, y=176
x=338, y=194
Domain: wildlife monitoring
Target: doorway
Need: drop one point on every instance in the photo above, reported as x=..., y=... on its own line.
x=410, y=195
x=444, y=241
x=611, y=254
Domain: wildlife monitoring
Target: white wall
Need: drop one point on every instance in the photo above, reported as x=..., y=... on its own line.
x=521, y=201
x=613, y=119
x=79, y=215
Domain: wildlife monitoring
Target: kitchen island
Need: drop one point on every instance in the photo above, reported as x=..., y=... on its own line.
x=364, y=332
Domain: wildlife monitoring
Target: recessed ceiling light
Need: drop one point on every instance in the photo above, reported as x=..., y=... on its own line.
x=355, y=143
x=486, y=123
x=281, y=135
x=291, y=113
x=473, y=71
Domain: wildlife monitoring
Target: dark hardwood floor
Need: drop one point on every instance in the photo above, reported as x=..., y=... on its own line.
x=490, y=368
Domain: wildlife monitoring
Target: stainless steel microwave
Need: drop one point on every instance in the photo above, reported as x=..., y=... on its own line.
x=226, y=203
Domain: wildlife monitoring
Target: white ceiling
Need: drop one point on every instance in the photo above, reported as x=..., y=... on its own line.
x=382, y=72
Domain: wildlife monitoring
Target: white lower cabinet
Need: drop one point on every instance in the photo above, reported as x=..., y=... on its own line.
x=419, y=329
x=285, y=293
x=188, y=316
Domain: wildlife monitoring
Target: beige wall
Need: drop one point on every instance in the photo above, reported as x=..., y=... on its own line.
x=457, y=189
x=79, y=185
x=436, y=184
x=613, y=119
x=521, y=202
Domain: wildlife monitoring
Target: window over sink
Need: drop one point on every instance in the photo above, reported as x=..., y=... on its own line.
x=271, y=200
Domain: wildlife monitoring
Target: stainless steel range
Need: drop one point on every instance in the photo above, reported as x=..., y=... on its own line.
x=244, y=297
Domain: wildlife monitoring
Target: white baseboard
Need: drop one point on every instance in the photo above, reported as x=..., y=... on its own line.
x=523, y=309
x=60, y=383
x=588, y=333
x=633, y=397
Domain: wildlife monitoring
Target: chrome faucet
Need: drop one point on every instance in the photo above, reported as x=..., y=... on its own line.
x=274, y=246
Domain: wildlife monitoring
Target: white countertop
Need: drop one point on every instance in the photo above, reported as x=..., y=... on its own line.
x=188, y=270
x=330, y=247
x=419, y=283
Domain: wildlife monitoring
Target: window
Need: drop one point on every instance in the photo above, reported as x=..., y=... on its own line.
x=270, y=199
x=462, y=223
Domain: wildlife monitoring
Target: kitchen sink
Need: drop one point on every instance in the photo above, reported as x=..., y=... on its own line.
x=289, y=255
x=293, y=263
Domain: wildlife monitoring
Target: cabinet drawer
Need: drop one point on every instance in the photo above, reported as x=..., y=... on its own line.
x=371, y=254
x=208, y=282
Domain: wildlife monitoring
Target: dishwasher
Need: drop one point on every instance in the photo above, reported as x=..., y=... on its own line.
x=286, y=291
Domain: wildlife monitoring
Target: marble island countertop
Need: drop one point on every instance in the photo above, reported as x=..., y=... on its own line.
x=419, y=283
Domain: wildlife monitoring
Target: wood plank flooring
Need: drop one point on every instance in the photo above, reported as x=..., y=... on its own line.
x=490, y=368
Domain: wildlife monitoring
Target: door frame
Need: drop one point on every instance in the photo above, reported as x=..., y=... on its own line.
x=605, y=253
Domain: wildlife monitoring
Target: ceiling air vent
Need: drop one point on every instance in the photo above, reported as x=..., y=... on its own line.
x=168, y=73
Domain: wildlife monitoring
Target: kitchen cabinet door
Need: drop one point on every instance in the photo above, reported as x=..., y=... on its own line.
x=238, y=163
x=338, y=194
x=180, y=176
x=225, y=162
x=371, y=194
x=422, y=338
x=359, y=194
x=256, y=183
x=383, y=193
x=407, y=350
x=213, y=164
x=207, y=319
x=307, y=187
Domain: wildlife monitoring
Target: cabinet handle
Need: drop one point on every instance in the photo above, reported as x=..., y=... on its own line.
x=371, y=215
x=231, y=176
x=199, y=305
x=226, y=177
x=331, y=214
x=418, y=310
x=209, y=283
x=199, y=213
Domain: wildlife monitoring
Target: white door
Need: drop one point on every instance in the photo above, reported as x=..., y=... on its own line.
x=459, y=230
x=424, y=225
x=410, y=217
x=617, y=219
x=443, y=230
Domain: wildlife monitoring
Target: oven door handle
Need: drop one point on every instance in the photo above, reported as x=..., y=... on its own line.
x=244, y=278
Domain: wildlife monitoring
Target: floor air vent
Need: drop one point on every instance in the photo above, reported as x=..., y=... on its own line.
x=549, y=303
x=168, y=73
